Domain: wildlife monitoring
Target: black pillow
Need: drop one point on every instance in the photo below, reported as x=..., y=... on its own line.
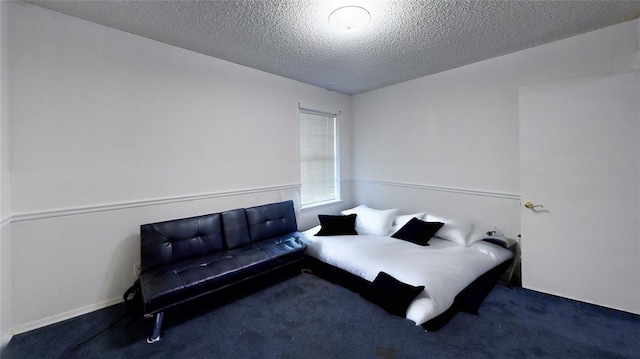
x=417, y=231
x=337, y=225
x=391, y=294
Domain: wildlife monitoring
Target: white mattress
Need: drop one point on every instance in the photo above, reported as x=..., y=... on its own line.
x=443, y=267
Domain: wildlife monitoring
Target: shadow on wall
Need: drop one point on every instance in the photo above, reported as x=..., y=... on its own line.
x=120, y=274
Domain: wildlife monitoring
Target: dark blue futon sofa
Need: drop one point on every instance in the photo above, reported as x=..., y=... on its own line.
x=187, y=258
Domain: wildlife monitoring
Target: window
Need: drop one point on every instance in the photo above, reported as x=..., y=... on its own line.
x=318, y=158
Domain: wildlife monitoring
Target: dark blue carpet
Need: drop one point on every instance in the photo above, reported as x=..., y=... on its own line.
x=307, y=317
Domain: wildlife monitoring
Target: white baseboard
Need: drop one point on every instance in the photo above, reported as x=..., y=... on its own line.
x=66, y=315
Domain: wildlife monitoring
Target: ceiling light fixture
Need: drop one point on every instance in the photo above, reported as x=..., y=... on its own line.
x=349, y=18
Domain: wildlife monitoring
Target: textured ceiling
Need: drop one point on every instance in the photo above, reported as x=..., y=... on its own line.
x=405, y=39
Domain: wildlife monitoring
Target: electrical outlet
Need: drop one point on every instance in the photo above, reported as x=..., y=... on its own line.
x=136, y=269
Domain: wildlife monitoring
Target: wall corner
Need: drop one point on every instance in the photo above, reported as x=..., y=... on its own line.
x=6, y=288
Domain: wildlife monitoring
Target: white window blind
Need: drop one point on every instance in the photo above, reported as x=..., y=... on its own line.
x=318, y=159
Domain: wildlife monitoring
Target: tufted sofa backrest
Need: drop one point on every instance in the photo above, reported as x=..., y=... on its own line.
x=178, y=240
x=236, y=231
x=169, y=242
x=271, y=220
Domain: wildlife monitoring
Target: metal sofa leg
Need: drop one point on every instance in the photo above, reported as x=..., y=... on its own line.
x=157, y=328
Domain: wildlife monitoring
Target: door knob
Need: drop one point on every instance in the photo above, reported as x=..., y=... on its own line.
x=532, y=206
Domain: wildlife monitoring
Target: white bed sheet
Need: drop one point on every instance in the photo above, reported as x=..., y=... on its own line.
x=443, y=267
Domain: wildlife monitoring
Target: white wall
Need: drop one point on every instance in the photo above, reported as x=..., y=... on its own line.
x=111, y=130
x=5, y=195
x=448, y=143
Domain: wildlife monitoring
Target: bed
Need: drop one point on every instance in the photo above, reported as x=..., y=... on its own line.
x=455, y=266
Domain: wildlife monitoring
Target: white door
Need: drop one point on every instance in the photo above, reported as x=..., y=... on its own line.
x=580, y=160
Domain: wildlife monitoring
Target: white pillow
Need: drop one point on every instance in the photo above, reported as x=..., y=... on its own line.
x=454, y=231
x=400, y=221
x=372, y=221
x=477, y=234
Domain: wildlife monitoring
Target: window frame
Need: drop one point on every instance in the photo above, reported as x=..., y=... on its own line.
x=334, y=117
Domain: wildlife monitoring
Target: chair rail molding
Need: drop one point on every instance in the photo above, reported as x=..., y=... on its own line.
x=36, y=215
x=465, y=191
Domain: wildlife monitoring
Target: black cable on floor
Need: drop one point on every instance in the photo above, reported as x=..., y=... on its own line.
x=122, y=316
x=131, y=298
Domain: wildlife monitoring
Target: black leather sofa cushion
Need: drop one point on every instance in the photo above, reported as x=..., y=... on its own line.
x=186, y=258
x=180, y=240
x=283, y=250
x=236, y=229
x=181, y=281
x=270, y=220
